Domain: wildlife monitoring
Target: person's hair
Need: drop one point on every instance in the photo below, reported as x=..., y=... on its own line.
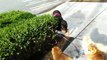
x=57, y=11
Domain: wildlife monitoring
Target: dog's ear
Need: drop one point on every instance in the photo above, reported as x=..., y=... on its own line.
x=85, y=43
x=56, y=50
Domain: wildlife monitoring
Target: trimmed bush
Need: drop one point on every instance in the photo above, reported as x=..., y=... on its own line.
x=9, y=18
x=22, y=39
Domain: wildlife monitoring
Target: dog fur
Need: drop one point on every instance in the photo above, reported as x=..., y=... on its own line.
x=94, y=52
x=58, y=55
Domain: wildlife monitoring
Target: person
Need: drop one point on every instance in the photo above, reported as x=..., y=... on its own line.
x=62, y=24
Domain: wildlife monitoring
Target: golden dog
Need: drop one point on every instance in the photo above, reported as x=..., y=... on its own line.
x=94, y=52
x=58, y=55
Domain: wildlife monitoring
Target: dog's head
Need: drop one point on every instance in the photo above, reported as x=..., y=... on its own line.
x=58, y=55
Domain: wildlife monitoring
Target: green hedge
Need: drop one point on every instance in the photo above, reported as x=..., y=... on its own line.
x=22, y=39
x=8, y=18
